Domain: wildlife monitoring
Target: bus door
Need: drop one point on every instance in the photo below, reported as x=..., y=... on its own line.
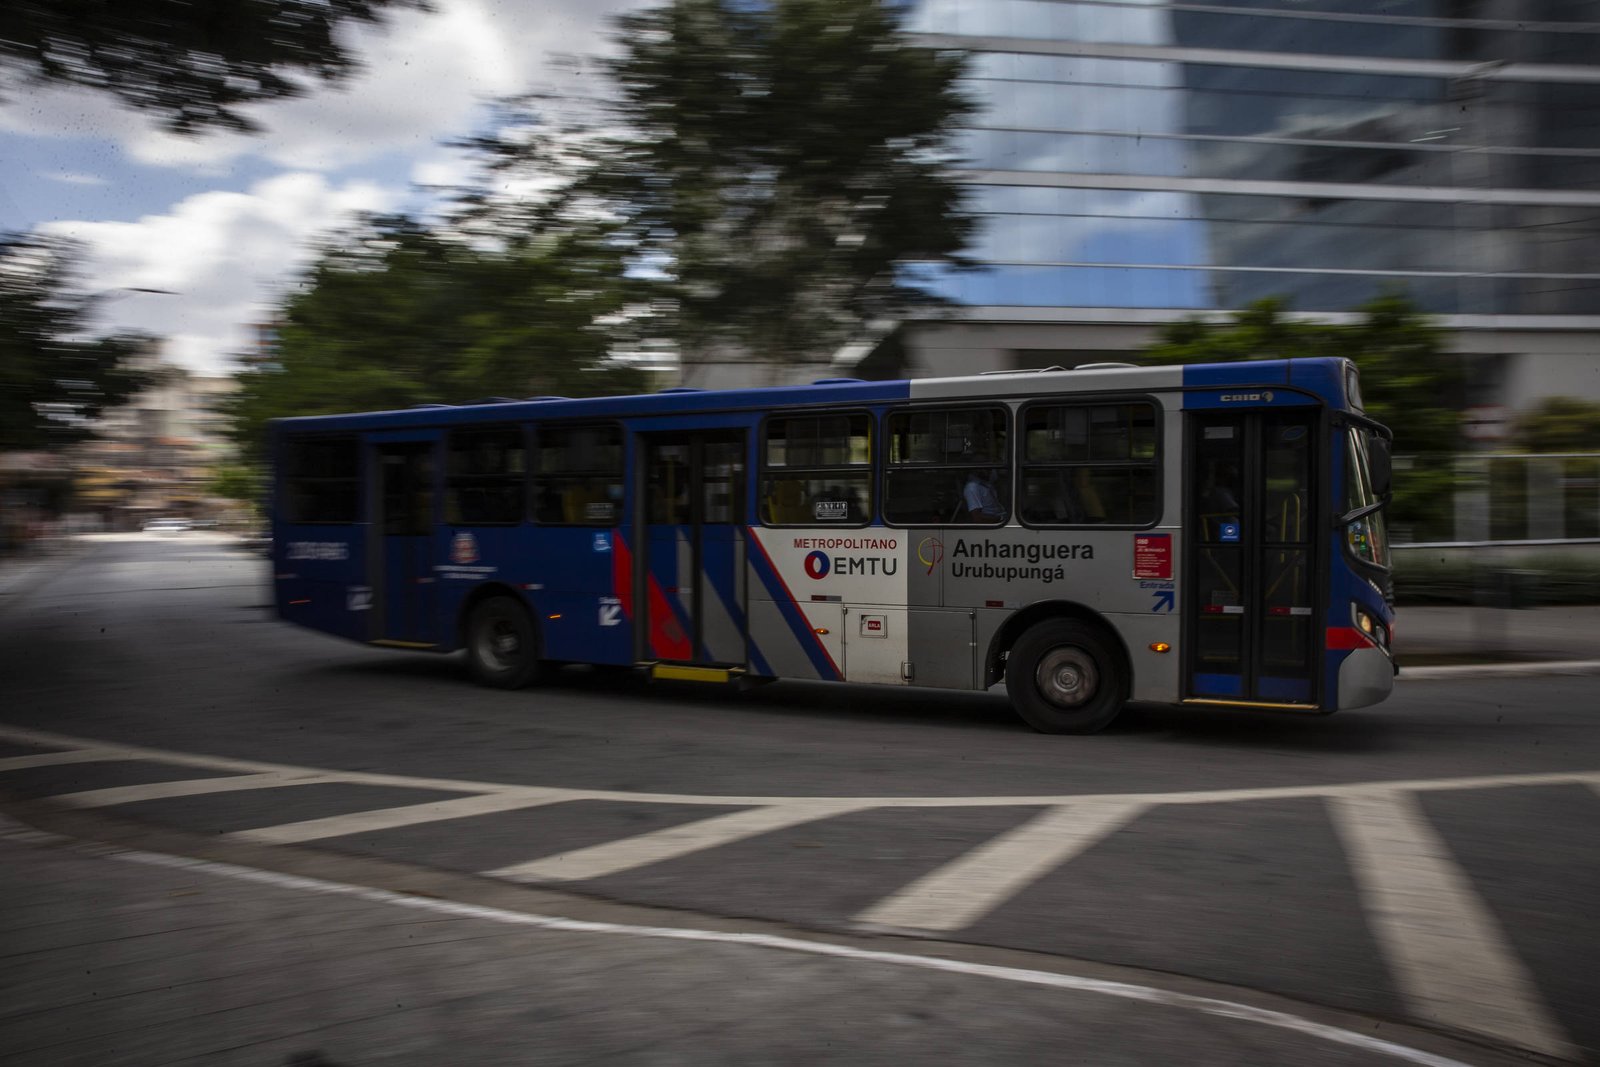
x=403, y=580
x=691, y=574
x=1251, y=591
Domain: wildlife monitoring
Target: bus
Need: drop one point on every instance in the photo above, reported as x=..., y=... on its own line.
x=1206, y=535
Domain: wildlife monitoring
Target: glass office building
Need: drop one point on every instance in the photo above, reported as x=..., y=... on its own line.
x=1138, y=162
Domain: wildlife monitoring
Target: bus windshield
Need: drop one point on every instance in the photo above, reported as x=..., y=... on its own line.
x=1365, y=532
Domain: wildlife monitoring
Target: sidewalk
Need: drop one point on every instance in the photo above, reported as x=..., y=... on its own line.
x=1475, y=636
x=118, y=956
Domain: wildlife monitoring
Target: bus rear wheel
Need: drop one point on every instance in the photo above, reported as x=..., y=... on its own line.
x=1065, y=677
x=502, y=645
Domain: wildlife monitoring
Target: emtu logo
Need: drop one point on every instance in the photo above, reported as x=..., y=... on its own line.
x=930, y=550
x=818, y=565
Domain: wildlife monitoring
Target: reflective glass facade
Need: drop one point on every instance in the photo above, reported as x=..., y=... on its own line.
x=1193, y=156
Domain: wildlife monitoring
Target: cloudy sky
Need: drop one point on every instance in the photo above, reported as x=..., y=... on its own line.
x=224, y=221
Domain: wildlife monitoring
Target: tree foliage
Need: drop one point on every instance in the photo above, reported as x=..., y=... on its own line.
x=1409, y=382
x=1561, y=424
x=394, y=314
x=235, y=481
x=773, y=164
x=54, y=378
x=192, y=63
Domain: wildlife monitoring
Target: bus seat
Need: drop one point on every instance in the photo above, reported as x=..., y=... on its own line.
x=787, y=503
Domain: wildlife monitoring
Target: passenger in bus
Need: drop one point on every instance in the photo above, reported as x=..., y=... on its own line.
x=983, y=503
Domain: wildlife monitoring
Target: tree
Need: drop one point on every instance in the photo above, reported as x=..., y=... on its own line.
x=394, y=314
x=54, y=379
x=1409, y=382
x=1561, y=424
x=192, y=63
x=774, y=164
x=235, y=481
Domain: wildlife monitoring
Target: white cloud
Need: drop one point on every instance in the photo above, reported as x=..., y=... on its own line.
x=74, y=178
x=224, y=257
x=425, y=77
x=227, y=255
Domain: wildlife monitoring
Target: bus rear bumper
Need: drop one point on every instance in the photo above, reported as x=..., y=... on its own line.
x=1366, y=677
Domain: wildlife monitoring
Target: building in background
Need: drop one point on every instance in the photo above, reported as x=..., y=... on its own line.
x=1137, y=163
x=155, y=455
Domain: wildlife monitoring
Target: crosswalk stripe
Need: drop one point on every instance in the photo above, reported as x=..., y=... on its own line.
x=391, y=818
x=61, y=759
x=670, y=843
x=1448, y=954
x=968, y=888
x=188, y=787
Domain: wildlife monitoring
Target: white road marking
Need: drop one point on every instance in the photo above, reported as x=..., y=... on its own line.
x=188, y=787
x=1211, y=1006
x=1450, y=957
x=968, y=888
x=409, y=815
x=1213, y=796
x=60, y=759
x=1392, y=898
x=670, y=843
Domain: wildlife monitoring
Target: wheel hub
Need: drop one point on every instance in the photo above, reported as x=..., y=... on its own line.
x=501, y=644
x=1067, y=677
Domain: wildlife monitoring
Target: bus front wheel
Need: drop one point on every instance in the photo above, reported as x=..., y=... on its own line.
x=502, y=645
x=1065, y=677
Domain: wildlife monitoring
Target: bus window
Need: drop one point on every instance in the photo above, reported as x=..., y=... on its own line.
x=485, y=477
x=947, y=467
x=1090, y=464
x=321, y=479
x=816, y=470
x=1365, y=532
x=578, y=475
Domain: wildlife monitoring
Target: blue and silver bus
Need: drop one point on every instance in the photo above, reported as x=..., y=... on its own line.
x=1203, y=535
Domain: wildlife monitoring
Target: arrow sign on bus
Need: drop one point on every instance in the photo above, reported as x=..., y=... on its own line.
x=1164, y=600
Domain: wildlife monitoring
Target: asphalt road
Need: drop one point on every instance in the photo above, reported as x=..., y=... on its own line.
x=1432, y=860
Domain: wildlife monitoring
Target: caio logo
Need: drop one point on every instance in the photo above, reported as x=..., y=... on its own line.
x=464, y=549
x=930, y=550
x=818, y=565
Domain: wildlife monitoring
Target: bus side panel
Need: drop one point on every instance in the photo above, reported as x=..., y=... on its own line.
x=998, y=572
x=464, y=557
x=581, y=577
x=794, y=636
x=320, y=580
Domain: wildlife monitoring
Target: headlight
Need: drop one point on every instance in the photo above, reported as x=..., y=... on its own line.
x=1371, y=628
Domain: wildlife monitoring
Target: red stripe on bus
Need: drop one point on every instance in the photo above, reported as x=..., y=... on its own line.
x=1347, y=637
x=622, y=573
x=667, y=639
x=776, y=573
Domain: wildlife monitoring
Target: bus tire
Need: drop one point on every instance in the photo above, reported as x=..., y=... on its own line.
x=1065, y=677
x=502, y=645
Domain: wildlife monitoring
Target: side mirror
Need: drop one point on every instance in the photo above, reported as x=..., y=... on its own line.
x=1382, y=461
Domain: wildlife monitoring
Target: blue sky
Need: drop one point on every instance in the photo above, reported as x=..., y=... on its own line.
x=225, y=221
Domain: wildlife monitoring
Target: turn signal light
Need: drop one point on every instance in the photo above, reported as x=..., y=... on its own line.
x=1160, y=646
x=823, y=630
